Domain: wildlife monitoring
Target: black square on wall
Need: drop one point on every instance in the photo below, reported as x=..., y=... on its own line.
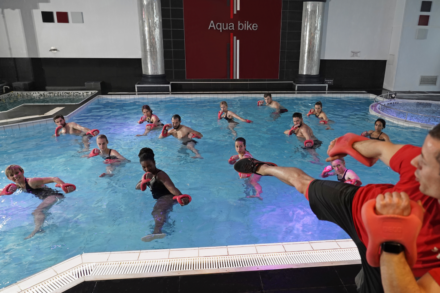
x=426, y=6
x=47, y=16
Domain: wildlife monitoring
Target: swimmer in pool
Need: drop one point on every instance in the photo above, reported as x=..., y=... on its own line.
x=75, y=129
x=111, y=157
x=37, y=187
x=343, y=174
x=229, y=116
x=377, y=133
x=162, y=189
x=317, y=111
x=240, y=147
x=182, y=133
x=152, y=120
x=272, y=104
x=305, y=134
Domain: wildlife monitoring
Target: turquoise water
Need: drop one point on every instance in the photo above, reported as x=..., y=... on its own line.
x=108, y=214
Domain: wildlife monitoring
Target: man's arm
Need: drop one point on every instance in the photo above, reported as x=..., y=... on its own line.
x=169, y=132
x=79, y=127
x=306, y=133
x=192, y=131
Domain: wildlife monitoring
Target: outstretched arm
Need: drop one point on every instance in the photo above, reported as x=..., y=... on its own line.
x=39, y=182
x=79, y=127
x=306, y=133
x=236, y=116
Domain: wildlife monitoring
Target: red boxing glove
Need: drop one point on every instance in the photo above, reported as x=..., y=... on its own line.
x=242, y=175
x=344, y=146
x=195, y=136
x=323, y=122
x=151, y=125
x=141, y=120
x=92, y=132
x=144, y=181
x=325, y=172
x=292, y=130
x=111, y=161
x=309, y=143
x=165, y=130
x=248, y=121
x=232, y=160
x=260, y=103
x=219, y=115
x=65, y=187
x=353, y=182
x=311, y=112
x=365, y=133
x=179, y=198
x=94, y=153
x=8, y=189
x=58, y=129
x=391, y=228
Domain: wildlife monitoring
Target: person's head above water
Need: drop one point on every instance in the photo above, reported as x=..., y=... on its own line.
x=146, y=110
x=146, y=159
x=175, y=120
x=268, y=98
x=297, y=118
x=102, y=141
x=59, y=120
x=14, y=172
x=379, y=124
x=339, y=166
x=240, y=145
x=224, y=106
x=318, y=107
x=428, y=164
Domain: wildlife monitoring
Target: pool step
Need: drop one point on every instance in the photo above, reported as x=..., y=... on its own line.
x=50, y=113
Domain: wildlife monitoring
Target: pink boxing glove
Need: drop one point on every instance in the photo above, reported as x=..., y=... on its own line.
x=141, y=120
x=65, y=187
x=144, y=181
x=94, y=153
x=180, y=197
x=353, y=182
x=111, y=161
x=292, y=130
x=364, y=134
x=151, y=125
x=248, y=121
x=58, y=129
x=242, y=175
x=92, y=132
x=219, y=115
x=391, y=228
x=323, y=122
x=326, y=170
x=311, y=112
x=196, y=136
x=165, y=130
x=232, y=160
x=8, y=189
x=309, y=143
x=260, y=103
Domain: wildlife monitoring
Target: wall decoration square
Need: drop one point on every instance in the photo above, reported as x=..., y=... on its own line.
x=426, y=6
x=423, y=20
x=62, y=17
x=47, y=16
x=76, y=17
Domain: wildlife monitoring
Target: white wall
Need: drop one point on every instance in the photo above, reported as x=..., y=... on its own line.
x=357, y=25
x=110, y=29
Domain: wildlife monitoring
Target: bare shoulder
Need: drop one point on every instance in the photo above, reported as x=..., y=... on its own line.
x=162, y=176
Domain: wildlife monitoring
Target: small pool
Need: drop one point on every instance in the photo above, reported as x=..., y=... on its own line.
x=15, y=99
x=108, y=214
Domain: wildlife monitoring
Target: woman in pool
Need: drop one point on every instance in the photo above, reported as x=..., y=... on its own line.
x=240, y=147
x=162, y=189
x=111, y=157
x=229, y=117
x=343, y=174
x=377, y=133
x=36, y=186
x=153, y=120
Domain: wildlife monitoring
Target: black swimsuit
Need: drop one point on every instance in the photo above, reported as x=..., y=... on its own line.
x=43, y=192
x=150, y=120
x=377, y=138
x=157, y=188
x=343, y=177
x=230, y=120
x=110, y=157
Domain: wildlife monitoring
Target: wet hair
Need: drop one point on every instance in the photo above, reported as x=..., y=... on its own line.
x=146, y=107
x=268, y=95
x=381, y=121
x=144, y=151
x=318, y=103
x=297, y=115
x=243, y=141
x=223, y=103
x=58, y=116
x=102, y=136
x=176, y=116
x=146, y=154
x=435, y=133
x=340, y=159
x=11, y=168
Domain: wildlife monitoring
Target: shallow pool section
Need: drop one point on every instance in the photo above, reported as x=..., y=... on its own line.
x=108, y=214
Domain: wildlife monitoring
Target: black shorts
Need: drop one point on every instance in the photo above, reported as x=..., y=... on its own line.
x=283, y=110
x=316, y=144
x=191, y=140
x=332, y=201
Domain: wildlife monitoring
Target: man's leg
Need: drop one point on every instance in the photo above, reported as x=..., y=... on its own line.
x=191, y=147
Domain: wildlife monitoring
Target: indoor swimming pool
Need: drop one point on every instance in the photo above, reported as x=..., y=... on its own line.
x=108, y=214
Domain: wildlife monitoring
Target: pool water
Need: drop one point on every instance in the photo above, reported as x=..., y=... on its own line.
x=422, y=111
x=108, y=214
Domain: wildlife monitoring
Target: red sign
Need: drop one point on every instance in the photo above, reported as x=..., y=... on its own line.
x=236, y=39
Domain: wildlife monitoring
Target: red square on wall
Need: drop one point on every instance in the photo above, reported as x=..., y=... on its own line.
x=62, y=17
x=424, y=20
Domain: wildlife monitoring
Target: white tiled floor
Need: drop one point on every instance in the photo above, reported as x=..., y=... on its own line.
x=245, y=249
x=154, y=254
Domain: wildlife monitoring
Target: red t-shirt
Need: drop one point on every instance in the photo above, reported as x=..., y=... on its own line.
x=428, y=242
x=435, y=274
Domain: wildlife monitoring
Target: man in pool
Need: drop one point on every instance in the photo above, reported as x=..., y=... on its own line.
x=272, y=104
x=304, y=134
x=183, y=133
x=75, y=129
x=317, y=111
x=342, y=203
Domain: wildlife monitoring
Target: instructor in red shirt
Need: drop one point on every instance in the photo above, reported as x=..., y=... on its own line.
x=340, y=203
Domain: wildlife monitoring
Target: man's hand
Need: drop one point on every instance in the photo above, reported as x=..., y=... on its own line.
x=330, y=146
x=397, y=203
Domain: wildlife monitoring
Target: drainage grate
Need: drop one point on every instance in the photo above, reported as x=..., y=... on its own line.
x=428, y=80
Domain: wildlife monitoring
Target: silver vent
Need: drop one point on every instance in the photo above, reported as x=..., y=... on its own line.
x=422, y=34
x=428, y=80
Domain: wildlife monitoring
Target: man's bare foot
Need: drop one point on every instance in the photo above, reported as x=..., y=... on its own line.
x=197, y=157
x=139, y=135
x=105, y=174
